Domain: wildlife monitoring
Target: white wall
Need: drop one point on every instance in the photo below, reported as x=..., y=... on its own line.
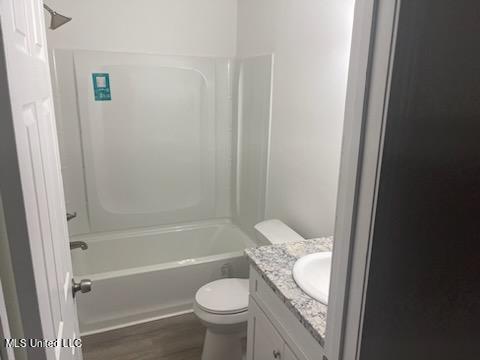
x=170, y=27
x=311, y=43
x=310, y=40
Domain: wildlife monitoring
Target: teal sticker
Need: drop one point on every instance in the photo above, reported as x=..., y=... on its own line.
x=101, y=87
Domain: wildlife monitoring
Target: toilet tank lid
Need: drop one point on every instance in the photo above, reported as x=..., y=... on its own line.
x=277, y=232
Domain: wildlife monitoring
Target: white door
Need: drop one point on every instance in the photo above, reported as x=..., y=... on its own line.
x=24, y=46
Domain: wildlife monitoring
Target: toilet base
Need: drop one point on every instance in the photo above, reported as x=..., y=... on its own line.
x=221, y=346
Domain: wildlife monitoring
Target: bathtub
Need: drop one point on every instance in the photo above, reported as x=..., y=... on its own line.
x=143, y=275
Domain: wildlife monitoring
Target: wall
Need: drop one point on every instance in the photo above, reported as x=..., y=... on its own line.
x=311, y=45
x=175, y=27
x=310, y=41
x=170, y=27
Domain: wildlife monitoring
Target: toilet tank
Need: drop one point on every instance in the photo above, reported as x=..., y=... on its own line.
x=275, y=232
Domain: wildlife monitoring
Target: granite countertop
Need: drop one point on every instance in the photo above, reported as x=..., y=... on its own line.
x=275, y=264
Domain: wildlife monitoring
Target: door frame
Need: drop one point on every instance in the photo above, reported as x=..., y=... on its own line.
x=371, y=61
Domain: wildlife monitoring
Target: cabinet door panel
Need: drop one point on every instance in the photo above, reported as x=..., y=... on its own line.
x=265, y=342
x=288, y=354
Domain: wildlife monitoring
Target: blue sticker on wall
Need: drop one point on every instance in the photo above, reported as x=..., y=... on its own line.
x=101, y=86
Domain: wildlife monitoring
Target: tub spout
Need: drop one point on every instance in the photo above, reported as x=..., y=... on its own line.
x=78, y=244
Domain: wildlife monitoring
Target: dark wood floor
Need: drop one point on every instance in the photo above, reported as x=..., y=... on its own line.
x=176, y=338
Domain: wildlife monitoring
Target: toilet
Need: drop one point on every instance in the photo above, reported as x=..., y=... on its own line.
x=222, y=305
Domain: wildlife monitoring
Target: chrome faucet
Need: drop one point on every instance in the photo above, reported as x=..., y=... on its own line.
x=78, y=244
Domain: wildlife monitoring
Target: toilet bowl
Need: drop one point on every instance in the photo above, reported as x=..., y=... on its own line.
x=222, y=305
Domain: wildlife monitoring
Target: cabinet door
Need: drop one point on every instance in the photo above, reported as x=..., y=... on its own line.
x=264, y=343
x=288, y=354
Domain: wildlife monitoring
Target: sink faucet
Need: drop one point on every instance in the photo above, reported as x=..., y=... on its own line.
x=78, y=244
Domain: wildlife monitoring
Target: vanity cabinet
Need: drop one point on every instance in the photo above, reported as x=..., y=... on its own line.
x=274, y=332
x=289, y=354
x=265, y=342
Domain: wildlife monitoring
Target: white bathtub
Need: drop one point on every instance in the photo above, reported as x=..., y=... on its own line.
x=147, y=274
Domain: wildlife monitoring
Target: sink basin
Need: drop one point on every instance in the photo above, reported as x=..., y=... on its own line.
x=312, y=275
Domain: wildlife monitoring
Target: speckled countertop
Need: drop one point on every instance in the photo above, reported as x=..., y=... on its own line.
x=275, y=264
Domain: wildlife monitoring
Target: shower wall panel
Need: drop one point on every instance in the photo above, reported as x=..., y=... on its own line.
x=155, y=150
x=253, y=139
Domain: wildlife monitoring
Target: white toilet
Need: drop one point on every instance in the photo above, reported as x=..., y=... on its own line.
x=222, y=305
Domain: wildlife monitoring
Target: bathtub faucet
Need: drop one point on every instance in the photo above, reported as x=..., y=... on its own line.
x=78, y=244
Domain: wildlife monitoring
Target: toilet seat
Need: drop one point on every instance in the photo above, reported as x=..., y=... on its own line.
x=223, y=297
